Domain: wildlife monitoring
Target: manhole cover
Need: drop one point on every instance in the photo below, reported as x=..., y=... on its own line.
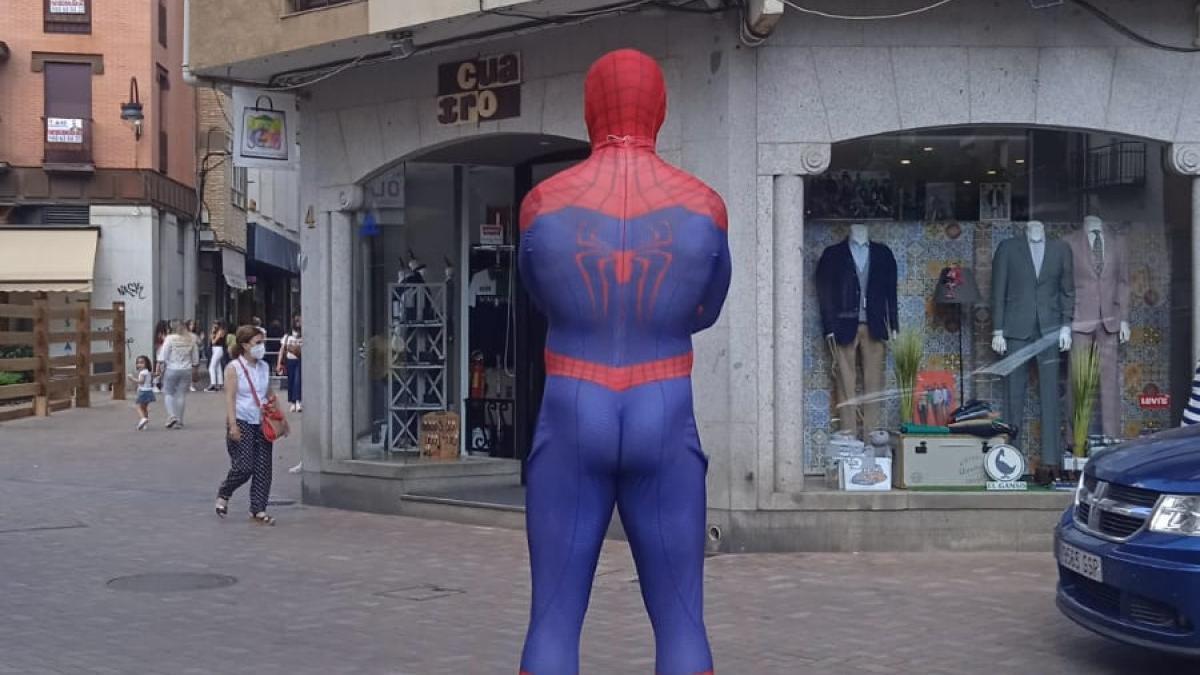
x=171, y=581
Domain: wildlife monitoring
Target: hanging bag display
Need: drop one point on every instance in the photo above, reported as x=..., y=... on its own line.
x=264, y=131
x=273, y=424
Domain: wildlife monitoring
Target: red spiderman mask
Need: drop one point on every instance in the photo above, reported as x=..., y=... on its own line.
x=624, y=95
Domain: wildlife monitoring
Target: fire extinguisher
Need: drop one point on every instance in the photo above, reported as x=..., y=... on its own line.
x=478, y=375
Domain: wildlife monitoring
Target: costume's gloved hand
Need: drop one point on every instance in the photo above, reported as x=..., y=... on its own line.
x=999, y=344
x=1125, y=332
x=1064, y=338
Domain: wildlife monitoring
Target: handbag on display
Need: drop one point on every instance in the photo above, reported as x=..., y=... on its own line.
x=274, y=426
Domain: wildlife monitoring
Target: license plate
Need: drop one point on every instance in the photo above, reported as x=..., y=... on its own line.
x=1080, y=562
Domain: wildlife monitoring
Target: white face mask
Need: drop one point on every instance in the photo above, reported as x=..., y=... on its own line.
x=258, y=351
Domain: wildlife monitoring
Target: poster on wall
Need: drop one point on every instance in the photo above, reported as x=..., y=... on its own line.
x=939, y=202
x=64, y=130
x=853, y=195
x=934, y=397
x=68, y=6
x=264, y=129
x=995, y=201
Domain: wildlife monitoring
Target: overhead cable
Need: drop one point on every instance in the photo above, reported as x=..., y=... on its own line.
x=865, y=17
x=1129, y=32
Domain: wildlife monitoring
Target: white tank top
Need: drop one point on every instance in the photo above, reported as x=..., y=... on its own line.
x=244, y=406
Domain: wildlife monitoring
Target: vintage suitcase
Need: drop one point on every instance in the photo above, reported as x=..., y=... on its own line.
x=942, y=460
x=439, y=435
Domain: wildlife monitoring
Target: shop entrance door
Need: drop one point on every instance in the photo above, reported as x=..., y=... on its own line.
x=531, y=324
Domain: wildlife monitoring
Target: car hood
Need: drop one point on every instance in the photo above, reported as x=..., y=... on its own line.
x=1165, y=462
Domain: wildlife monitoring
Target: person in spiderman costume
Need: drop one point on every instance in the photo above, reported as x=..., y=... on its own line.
x=627, y=257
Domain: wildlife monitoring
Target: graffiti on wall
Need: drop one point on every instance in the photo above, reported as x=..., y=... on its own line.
x=132, y=289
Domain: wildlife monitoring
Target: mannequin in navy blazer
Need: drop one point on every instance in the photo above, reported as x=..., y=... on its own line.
x=838, y=293
x=858, y=335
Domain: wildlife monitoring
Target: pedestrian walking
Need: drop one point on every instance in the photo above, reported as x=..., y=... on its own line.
x=216, y=361
x=249, y=390
x=161, y=330
x=178, y=360
x=198, y=336
x=145, y=390
x=289, y=363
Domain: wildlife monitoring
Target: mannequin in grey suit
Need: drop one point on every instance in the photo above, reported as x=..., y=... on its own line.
x=1101, y=260
x=1033, y=297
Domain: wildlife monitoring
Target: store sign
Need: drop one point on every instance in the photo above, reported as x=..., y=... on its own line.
x=1154, y=401
x=479, y=90
x=64, y=130
x=1005, y=465
x=264, y=129
x=387, y=190
x=491, y=234
x=68, y=6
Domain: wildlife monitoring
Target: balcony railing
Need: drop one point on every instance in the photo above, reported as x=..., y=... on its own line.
x=68, y=141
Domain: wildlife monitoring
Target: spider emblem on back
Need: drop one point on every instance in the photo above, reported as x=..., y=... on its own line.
x=604, y=266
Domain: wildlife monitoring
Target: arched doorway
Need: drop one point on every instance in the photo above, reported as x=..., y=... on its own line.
x=441, y=320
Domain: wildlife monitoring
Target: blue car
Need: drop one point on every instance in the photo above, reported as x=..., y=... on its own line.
x=1128, y=549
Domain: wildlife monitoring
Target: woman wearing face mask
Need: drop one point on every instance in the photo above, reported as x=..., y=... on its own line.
x=248, y=385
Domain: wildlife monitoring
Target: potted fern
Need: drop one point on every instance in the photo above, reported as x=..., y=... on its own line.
x=1085, y=382
x=907, y=351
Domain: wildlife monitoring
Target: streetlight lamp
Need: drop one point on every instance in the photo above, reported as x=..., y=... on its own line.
x=131, y=110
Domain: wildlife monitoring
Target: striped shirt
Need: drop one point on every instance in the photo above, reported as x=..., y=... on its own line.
x=1191, y=414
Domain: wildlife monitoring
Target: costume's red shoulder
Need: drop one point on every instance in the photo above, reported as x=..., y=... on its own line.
x=566, y=188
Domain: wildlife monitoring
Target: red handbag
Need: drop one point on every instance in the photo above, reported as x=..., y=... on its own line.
x=273, y=426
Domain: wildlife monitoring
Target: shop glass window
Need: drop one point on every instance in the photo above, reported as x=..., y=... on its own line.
x=67, y=16
x=945, y=199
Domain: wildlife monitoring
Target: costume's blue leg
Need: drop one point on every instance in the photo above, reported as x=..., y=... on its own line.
x=661, y=497
x=570, y=480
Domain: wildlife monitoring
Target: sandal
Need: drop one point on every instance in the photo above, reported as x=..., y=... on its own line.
x=222, y=507
x=262, y=518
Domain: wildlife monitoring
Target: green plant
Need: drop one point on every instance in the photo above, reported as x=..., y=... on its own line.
x=1085, y=382
x=11, y=378
x=907, y=350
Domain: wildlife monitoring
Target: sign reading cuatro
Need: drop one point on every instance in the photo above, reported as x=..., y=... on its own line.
x=479, y=90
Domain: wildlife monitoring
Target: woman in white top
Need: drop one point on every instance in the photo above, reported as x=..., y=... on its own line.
x=247, y=384
x=178, y=359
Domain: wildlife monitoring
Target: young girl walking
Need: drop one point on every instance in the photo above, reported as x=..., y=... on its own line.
x=247, y=388
x=145, y=390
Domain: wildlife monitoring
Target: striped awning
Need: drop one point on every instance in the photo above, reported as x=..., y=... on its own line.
x=50, y=260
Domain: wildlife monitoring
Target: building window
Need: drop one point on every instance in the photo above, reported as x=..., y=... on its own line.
x=304, y=5
x=162, y=22
x=238, y=186
x=164, y=84
x=67, y=16
x=68, y=112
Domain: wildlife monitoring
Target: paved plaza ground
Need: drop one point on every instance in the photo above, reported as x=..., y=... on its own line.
x=85, y=500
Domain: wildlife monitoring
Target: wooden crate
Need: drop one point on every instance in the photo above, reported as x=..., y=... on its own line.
x=439, y=435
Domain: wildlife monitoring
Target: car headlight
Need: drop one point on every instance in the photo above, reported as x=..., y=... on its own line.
x=1176, y=514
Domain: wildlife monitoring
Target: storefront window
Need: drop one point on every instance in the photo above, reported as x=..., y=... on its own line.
x=941, y=203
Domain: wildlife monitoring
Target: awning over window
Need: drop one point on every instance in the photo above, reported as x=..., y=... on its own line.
x=271, y=248
x=233, y=264
x=50, y=260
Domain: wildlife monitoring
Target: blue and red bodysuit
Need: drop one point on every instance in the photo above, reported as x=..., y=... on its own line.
x=627, y=257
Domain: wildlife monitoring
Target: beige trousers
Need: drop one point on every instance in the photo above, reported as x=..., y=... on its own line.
x=871, y=354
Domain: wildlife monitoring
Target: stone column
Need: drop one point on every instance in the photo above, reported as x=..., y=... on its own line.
x=787, y=164
x=341, y=333
x=1185, y=160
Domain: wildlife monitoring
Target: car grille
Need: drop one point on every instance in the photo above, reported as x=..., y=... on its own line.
x=1111, y=601
x=1113, y=511
x=1117, y=525
x=1130, y=495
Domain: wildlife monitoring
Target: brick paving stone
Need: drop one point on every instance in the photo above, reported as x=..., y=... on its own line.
x=84, y=499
